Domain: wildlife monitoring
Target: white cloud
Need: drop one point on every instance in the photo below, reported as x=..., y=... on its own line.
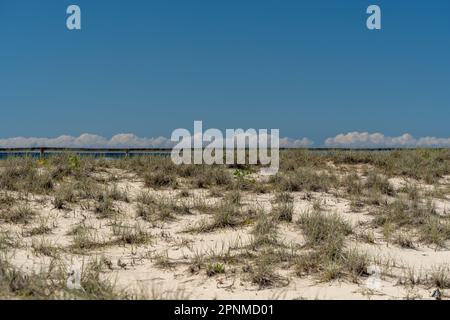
x=379, y=140
x=87, y=141
x=123, y=140
x=295, y=143
x=127, y=140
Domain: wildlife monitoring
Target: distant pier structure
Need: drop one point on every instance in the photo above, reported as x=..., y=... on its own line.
x=96, y=152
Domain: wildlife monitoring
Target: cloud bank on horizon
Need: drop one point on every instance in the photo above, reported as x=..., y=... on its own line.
x=127, y=140
x=123, y=140
x=379, y=140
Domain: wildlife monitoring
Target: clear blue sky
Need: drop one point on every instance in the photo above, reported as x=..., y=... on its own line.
x=309, y=68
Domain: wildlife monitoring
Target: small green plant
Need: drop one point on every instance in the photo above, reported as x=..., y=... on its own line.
x=241, y=174
x=215, y=268
x=73, y=162
x=243, y=179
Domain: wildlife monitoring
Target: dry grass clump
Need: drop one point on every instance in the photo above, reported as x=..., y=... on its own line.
x=355, y=263
x=374, y=190
x=416, y=217
x=85, y=188
x=157, y=172
x=51, y=283
x=262, y=272
x=290, y=160
x=428, y=165
x=379, y=184
x=116, y=194
x=402, y=213
x=210, y=176
x=304, y=179
x=43, y=246
x=40, y=176
x=154, y=213
x=42, y=228
x=21, y=214
x=412, y=190
x=15, y=283
x=404, y=240
x=283, y=209
x=6, y=200
x=162, y=260
x=234, y=197
x=319, y=227
x=202, y=205
x=15, y=171
x=7, y=241
x=88, y=189
x=64, y=195
x=281, y=197
x=142, y=164
x=332, y=263
x=72, y=165
x=325, y=235
x=264, y=231
x=225, y=214
x=160, y=180
x=352, y=184
x=437, y=277
x=440, y=277
x=146, y=198
x=435, y=231
x=135, y=234
x=104, y=206
x=84, y=239
x=22, y=174
x=153, y=209
x=267, y=253
x=96, y=287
